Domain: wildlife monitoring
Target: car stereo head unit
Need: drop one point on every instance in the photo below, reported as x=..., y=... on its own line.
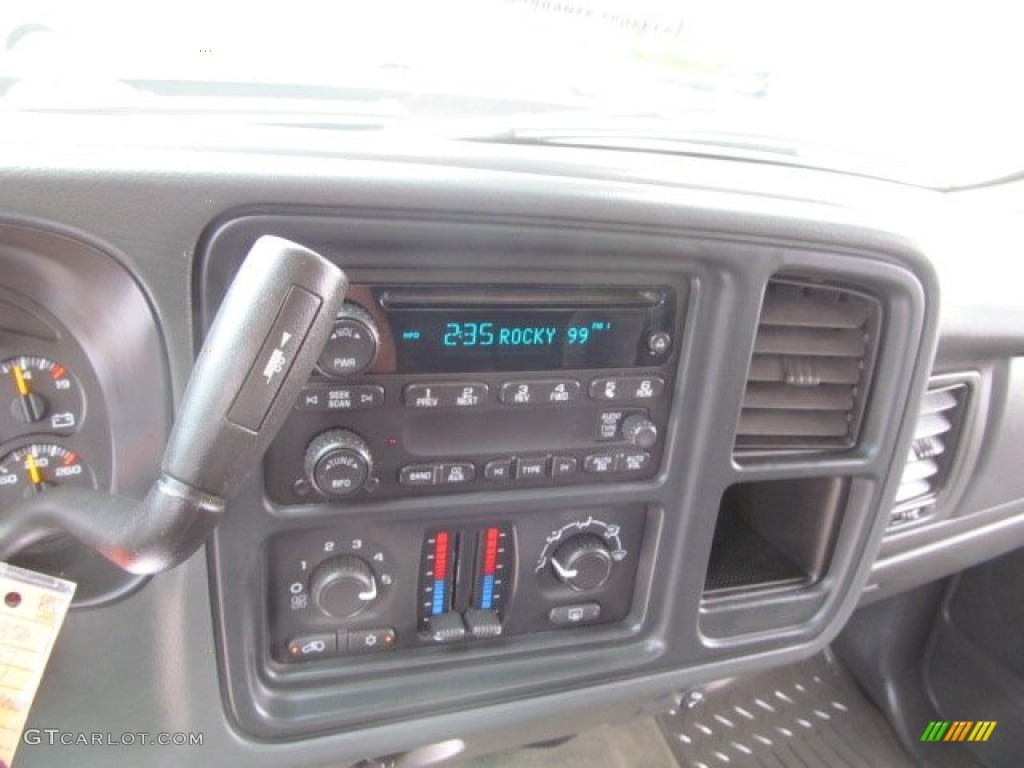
x=455, y=388
x=459, y=330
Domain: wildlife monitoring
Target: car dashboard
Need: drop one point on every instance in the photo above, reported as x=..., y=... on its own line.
x=592, y=429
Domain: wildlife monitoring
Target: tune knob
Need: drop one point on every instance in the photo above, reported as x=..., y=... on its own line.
x=583, y=562
x=640, y=430
x=338, y=462
x=343, y=586
x=352, y=346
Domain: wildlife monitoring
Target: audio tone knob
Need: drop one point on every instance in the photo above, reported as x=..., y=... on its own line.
x=343, y=586
x=583, y=562
x=352, y=346
x=640, y=430
x=338, y=462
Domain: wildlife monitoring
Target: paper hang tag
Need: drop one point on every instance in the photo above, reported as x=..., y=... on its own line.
x=32, y=610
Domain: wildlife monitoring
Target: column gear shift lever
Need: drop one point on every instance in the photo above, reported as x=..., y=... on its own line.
x=259, y=352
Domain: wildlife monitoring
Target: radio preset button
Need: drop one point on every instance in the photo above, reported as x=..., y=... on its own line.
x=445, y=395
x=531, y=468
x=563, y=465
x=499, y=469
x=627, y=388
x=454, y=474
x=419, y=474
x=562, y=391
x=518, y=393
x=546, y=392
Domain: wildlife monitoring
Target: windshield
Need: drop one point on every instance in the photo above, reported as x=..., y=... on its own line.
x=920, y=90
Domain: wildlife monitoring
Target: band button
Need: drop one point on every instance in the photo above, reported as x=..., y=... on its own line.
x=419, y=474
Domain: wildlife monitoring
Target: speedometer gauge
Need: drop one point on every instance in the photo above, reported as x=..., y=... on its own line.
x=37, y=467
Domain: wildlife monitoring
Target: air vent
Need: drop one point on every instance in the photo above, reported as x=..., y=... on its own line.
x=808, y=378
x=931, y=453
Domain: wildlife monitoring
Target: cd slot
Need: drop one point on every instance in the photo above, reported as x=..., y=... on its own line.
x=464, y=297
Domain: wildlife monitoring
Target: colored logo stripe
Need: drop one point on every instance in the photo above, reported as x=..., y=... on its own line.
x=982, y=730
x=935, y=730
x=958, y=730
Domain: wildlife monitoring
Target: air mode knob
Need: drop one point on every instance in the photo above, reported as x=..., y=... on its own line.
x=352, y=346
x=343, y=586
x=583, y=562
x=338, y=462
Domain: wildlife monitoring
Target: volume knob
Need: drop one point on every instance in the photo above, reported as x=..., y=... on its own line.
x=352, y=346
x=338, y=462
x=343, y=586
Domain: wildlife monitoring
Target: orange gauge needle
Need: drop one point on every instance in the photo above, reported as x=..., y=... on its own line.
x=33, y=470
x=19, y=380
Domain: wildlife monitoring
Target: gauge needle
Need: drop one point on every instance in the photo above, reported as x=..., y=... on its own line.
x=19, y=380
x=33, y=407
x=33, y=470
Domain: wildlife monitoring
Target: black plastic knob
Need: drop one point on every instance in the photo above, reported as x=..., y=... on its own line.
x=352, y=346
x=338, y=462
x=343, y=586
x=640, y=430
x=583, y=562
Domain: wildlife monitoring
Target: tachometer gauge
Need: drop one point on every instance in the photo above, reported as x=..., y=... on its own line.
x=37, y=467
x=40, y=395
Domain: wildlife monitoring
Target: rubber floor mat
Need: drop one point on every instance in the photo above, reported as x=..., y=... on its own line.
x=639, y=744
x=804, y=715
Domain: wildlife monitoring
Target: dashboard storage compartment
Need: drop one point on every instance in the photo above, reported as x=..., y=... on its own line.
x=774, y=533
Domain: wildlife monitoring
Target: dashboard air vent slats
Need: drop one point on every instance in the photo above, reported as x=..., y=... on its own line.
x=927, y=468
x=808, y=378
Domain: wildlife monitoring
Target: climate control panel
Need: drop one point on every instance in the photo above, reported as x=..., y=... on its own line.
x=337, y=593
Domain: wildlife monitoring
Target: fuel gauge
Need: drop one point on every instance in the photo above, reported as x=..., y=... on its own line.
x=40, y=395
x=37, y=467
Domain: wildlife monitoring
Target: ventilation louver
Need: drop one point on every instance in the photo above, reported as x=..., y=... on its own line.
x=931, y=453
x=809, y=375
